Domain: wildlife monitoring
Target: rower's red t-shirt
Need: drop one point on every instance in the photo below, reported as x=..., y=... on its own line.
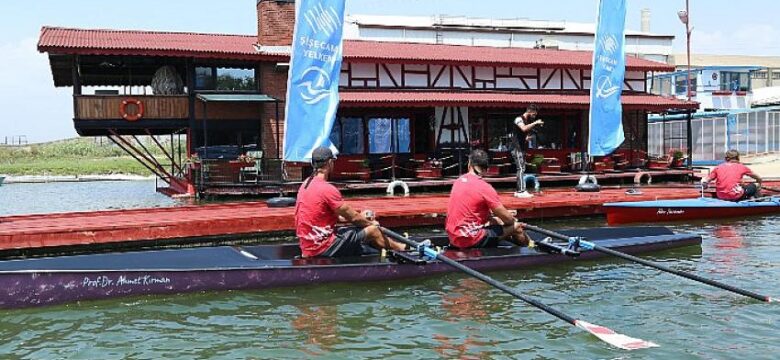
x=729, y=180
x=316, y=216
x=468, y=210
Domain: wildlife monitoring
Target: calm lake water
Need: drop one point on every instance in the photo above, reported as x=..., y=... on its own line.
x=79, y=196
x=449, y=316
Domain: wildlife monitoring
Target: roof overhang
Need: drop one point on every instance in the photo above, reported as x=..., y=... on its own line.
x=630, y=101
x=64, y=41
x=255, y=98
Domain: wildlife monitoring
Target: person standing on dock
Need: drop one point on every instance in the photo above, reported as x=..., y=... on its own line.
x=524, y=127
x=728, y=179
x=317, y=210
x=471, y=202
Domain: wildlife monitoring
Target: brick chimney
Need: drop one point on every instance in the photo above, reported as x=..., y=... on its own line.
x=275, y=22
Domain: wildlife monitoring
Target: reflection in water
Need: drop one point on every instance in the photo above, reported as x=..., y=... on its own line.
x=319, y=324
x=728, y=248
x=466, y=302
x=727, y=237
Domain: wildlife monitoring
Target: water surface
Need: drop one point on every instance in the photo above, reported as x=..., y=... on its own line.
x=448, y=316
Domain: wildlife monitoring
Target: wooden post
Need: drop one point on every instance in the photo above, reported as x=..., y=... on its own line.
x=190, y=70
x=689, y=137
x=75, y=73
x=278, y=133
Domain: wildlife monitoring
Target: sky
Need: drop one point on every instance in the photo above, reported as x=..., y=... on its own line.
x=31, y=106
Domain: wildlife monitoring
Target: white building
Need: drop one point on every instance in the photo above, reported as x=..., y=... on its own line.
x=524, y=33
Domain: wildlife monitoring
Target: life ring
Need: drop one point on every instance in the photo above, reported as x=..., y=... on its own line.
x=138, y=105
x=533, y=178
x=280, y=201
x=590, y=179
x=588, y=183
x=391, y=187
x=642, y=175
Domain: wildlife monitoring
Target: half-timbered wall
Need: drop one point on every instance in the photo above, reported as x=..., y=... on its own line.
x=449, y=116
x=431, y=76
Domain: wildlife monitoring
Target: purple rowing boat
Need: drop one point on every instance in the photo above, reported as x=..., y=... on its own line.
x=62, y=279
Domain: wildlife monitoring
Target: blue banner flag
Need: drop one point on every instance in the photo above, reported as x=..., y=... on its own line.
x=313, y=79
x=609, y=67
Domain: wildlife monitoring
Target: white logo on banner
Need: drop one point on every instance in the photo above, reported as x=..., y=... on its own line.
x=604, y=87
x=324, y=20
x=316, y=87
x=609, y=44
x=315, y=83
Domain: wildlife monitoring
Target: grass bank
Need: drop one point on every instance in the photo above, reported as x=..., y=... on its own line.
x=77, y=156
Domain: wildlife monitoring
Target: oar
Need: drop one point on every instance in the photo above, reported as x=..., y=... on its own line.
x=591, y=246
x=605, y=334
x=770, y=188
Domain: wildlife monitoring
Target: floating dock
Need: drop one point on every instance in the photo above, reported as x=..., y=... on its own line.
x=252, y=219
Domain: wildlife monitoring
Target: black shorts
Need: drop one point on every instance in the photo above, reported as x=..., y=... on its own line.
x=492, y=237
x=349, y=242
x=751, y=190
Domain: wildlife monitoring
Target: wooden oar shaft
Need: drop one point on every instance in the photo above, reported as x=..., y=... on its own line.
x=654, y=265
x=484, y=278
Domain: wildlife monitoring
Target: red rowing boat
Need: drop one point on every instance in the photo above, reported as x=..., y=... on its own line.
x=688, y=209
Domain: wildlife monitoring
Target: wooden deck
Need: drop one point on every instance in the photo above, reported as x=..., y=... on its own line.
x=255, y=218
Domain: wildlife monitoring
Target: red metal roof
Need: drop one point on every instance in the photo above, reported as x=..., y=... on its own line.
x=146, y=43
x=500, y=99
x=154, y=43
x=462, y=54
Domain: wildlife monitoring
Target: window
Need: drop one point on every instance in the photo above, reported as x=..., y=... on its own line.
x=204, y=78
x=386, y=135
x=236, y=79
x=347, y=135
x=224, y=79
x=497, y=128
x=776, y=75
x=758, y=75
x=681, y=84
x=733, y=81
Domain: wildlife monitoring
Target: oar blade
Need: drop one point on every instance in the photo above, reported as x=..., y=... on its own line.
x=619, y=341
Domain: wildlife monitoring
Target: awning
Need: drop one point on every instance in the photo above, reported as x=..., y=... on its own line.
x=262, y=98
x=501, y=99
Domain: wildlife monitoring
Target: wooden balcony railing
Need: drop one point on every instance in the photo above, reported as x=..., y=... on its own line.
x=107, y=107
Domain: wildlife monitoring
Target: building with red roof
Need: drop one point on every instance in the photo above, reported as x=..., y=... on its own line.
x=401, y=103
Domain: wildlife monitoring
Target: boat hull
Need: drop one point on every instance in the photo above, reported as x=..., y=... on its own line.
x=683, y=210
x=27, y=287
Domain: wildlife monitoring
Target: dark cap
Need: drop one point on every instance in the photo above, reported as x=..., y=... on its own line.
x=479, y=158
x=320, y=156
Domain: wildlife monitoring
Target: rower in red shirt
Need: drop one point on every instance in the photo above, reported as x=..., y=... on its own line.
x=728, y=178
x=472, y=200
x=317, y=209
